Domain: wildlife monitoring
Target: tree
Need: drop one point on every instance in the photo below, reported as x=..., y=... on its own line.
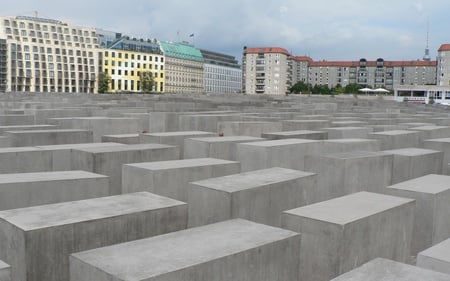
x=299, y=87
x=103, y=82
x=147, y=81
x=352, y=88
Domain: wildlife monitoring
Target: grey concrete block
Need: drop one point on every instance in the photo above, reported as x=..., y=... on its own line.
x=341, y=234
x=5, y=141
x=215, y=147
x=301, y=134
x=109, y=160
x=348, y=132
x=387, y=270
x=348, y=123
x=123, y=138
x=432, y=195
x=49, y=137
x=313, y=125
x=31, y=189
x=436, y=258
x=205, y=122
x=286, y=153
x=15, y=119
x=25, y=160
x=443, y=145
x=5, y=272
x=260, y=196
x=37, y=241
x=397, y=139
x=231, y=250
x=171, y=178
x=4, y=129
x=247, y=128
x=340, y=174
x=410, y=163
x=349, y=145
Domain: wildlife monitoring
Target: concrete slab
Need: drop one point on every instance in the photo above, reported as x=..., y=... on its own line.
x=171, y=178
x=348, y=123
x=301, y=134
x=109, y=160
x=410, y=163
x=260, y=196
x=37, y=241
x=32, y=189
x=286, y=153
x=247, y=128
x=215, y=147
x=436, y=258
x=341, y=234
x=442, y=144
x=205, y=122
x=5, y=272
x=382, y=128
x=432, y=195
x=49, y=137
x=4, y=141
x=433, y=132
x=231, y=250
x=397, y=139
x=387, y=270
x=15, y=119
x=349, y=145
x=122, y=138
x=4, y=129
x=25, y=160
x=348, y=132
x=313, y=125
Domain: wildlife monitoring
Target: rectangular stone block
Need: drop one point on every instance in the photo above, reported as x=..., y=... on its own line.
x=286, y=153
x=25, y=160
x=343, y=233
x=171, y=178
x=443, y=145
x=432, y=132
x=260, y=196
x=247, y=128
x=436, y=258
x=382, y=128
x=397, y=139
x=231, y=250
x=301, y=134
x=4, y=129
x=205, y=122
x=49, y=137
x=348, y=123
x=5, y=272
x=410, y=163
x=313, y=125
x=432, y=195
x=174, y=138
x=123, y=138
x=215, y=147
x=37, y=241
x=348, y=132
x=340, y=174
x=4, y=141
x=16, y=119
x=349, y=145
x=109, y=160
x=31, y=189
x=387, y=270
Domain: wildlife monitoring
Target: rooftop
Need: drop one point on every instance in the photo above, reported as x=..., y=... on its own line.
x=181, y=51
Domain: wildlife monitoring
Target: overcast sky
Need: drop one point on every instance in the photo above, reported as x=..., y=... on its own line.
x=322, y=29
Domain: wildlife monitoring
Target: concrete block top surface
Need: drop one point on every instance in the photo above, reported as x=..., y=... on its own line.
x=178, y=133
x=3, y=265
x=432, y=184
x=130, y=147
x=386, y=270
x=78, y=145
x=429, y=128
x=345, y=128
x=295, y=133
x=227, y=139
x=395, y=133
x=122, y=136
x=46, y=131
x=19, y=149
x=274, y=143
x=346, y=141
x=356, y=154
x=183, y=249
x=442, y=140
x=248, y=180
x=439, y=251
x=350, y=208
x=48, y=176
x=45, y=216
x=411, y=151
x=179, y=164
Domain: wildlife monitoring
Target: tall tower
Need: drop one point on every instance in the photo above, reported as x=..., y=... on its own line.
x=426, y=56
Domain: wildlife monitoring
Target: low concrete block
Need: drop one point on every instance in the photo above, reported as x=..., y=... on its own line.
x=348, y=132
x=231, y=250
x=341, y=234
x=5, y=272
x=25, y=160
x=397, y=139
x=123, y=138
x=301, y=134
x=4, y=129
x=432, y=195
x=206, y=122
x=215, y=147
x=349, y=145
x=443, y=145
x=37, y=241
x=348, y=123
x=171, y=178
x=433, y=132
x=248, y=128
x=32, y=189
x=260, y=196
x=109, y=160
x=313, y=125
x=410, y=163
x=5, y=142
x=436, y=258
x=387, y=270
x=16, y=119
x=49, y=137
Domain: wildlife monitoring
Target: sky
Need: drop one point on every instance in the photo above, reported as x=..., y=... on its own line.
x=332, y=30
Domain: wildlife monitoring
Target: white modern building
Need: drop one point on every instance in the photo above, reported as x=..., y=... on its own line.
x=222, y=73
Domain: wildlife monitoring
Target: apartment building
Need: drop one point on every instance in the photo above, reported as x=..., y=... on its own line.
x=45, y=55
x=266, y=70
x=184, y=66
x=222, y=73
x=125, y=60
x=443, y=65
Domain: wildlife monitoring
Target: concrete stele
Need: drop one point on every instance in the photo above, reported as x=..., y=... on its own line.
x=436, y=258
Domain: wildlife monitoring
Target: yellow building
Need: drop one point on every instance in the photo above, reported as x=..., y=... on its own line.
x=126, y=60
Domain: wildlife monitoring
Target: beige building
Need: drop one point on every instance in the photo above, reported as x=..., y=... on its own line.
x=443, y=65
x=266, y=71
x=45, y=55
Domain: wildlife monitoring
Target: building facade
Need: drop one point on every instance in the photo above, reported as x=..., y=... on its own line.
x=184, y=68
x=45, y=55
x=222, y=73
x=266, y=71
x=443, y=65
x=125, y=61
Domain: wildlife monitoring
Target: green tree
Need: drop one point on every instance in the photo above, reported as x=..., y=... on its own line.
x=103, y=82
x=147, y=81
x=299, y=87
x=352, y=88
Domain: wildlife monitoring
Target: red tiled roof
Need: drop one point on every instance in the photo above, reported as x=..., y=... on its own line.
x=266, y=50
x=335, y=63
x=410, y=63
x=303, y=58
x=372, y=63
x=444, y=48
